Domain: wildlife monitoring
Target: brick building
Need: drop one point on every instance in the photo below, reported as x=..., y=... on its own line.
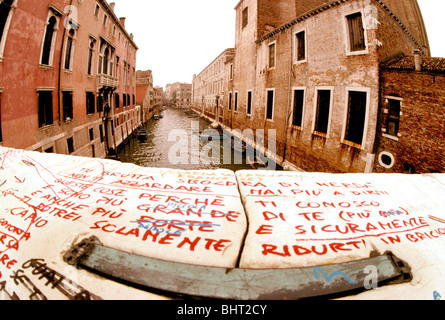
x=411, y=138
x=67, y=77
x=310, y=71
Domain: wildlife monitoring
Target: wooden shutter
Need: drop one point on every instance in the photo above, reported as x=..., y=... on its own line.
x=356, y=32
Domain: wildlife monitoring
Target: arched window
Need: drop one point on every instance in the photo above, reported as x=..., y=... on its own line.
x=6, y=10
x=69, y=49
x=90, y=57
x=48, y=41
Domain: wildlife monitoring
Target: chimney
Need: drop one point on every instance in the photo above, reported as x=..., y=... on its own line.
x=122, y=20
x=417, y=60
x=111, y=5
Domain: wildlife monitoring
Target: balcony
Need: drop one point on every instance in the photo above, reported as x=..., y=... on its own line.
x=104, y=80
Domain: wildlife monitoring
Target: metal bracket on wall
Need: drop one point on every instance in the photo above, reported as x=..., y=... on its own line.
x=335, y=280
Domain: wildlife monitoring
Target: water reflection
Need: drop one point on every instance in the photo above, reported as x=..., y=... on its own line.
x=176, y=141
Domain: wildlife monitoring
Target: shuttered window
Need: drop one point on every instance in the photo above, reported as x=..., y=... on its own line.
x=356, y=32
x=393, y=117
x=301, y=46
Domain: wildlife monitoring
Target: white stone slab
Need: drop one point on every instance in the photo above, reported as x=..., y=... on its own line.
x=312, y=219
x=49, y=202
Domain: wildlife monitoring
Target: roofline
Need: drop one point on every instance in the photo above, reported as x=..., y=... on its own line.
x=117, y=21
x=328, y=6
x=222, y=53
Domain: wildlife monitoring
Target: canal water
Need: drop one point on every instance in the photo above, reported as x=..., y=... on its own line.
x=180, y=140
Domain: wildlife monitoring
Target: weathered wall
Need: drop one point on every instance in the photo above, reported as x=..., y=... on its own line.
x=421, y=141
x=22, y=76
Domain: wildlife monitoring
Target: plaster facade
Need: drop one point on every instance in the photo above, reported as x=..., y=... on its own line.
x=68, y=83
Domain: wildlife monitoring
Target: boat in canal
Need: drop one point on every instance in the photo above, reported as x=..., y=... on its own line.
x=238, y=145
x=142, y=134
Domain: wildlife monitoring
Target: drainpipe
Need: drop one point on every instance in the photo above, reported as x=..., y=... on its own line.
x=289, y=99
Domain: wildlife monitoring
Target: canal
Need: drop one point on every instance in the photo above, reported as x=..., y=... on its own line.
x=179, y=140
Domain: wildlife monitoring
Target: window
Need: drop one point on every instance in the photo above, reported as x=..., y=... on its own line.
x=356, y=117
x=230, y=100
x=297, y=114
x=104, y=22
x=117, y=102
x=124, y=96
x=245, y=17
x=5, y=13
x=101, y=133
x=270, y=104
x=249, y=102
x=236, y=102
x=91, y=103
x=322, y=111
x=116, y=74
x=231, y=72
x=69, y=50
x=386, y=160
x=356, y=32
x=393, y=119
x=300, y=46
x=100, y=103
x=96, y=11
x=105, y=61
x=5, y=8
x=45, y=108
x=91, y=134
x=48, y=42
x=90, y=57
x=70, y=145
x=67, y=97
x=272, y=55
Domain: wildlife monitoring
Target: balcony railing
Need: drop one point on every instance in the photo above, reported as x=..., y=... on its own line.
x=104, y=80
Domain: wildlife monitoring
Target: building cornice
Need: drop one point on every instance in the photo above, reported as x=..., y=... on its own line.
x=402, y=25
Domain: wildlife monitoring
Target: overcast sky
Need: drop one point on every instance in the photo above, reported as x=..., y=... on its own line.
x=178, y=38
